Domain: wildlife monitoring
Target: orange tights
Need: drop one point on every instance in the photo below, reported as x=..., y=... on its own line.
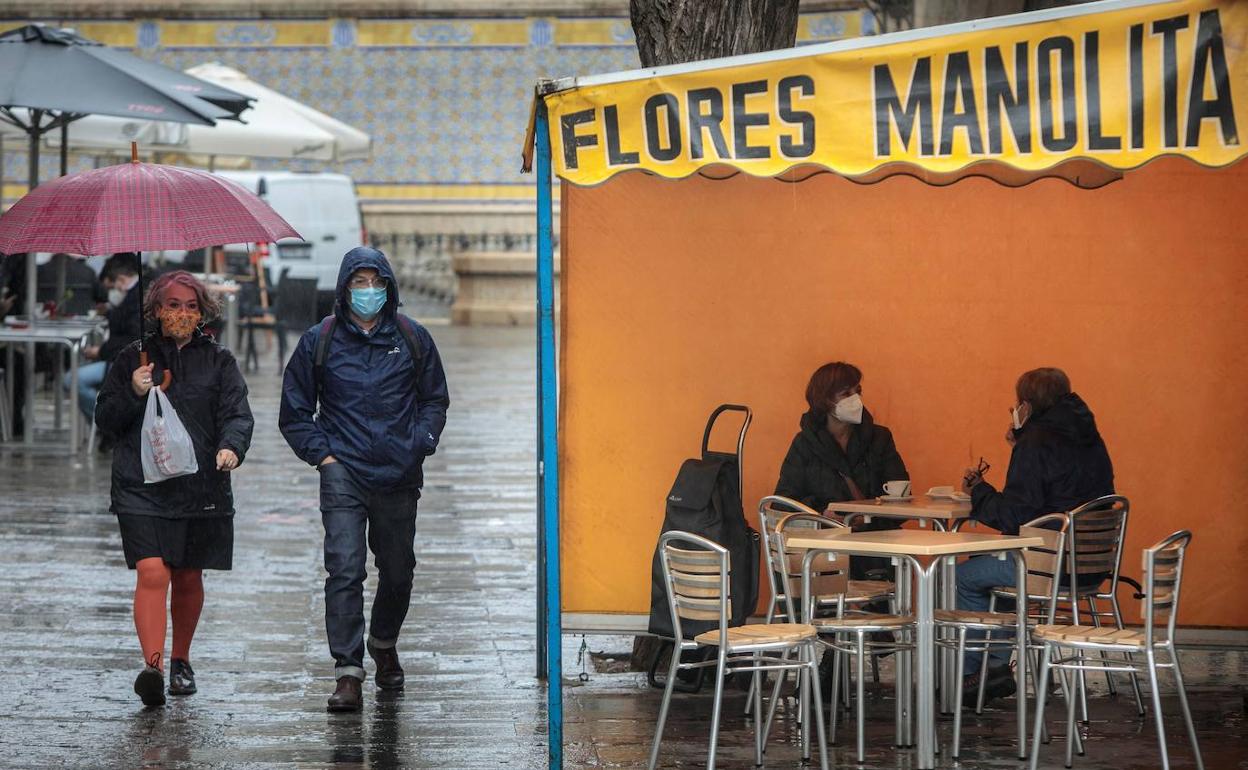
x=154, y=579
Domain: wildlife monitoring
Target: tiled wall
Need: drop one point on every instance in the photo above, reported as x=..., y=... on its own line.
x=446, y=101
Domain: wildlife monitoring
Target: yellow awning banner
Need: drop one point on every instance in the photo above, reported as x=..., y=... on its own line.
x=1117, y=87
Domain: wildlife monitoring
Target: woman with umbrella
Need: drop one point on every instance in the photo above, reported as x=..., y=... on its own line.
x=174, y=529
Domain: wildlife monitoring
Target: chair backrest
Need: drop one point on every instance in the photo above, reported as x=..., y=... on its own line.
x=696, y=576
x=1163, y=576
x=829, y=572
x=771, y=509
x=1094, y=541
x=296, y=304
x=1044, y=562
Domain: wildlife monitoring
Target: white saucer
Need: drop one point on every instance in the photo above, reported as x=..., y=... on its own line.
x=895, y=498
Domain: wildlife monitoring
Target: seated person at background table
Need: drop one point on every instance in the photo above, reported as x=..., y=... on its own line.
x=120, y=277
x=13, y=302
x=841, y=454
x=1058, y=463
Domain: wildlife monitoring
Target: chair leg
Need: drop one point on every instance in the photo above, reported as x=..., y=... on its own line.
x=1035, y=686
x=1094, y=612
x=719, y=700
x=1072, y=700
x=861, y=706
x=1153, y=685
x=749, y=696
x=812, y=673
x=775, y=698
x=983, y=661
x=1042, y=691
x=834, y=705
x=1081, y=675
x=875, y=668
x=1187, y=711
x=667, y=699
x=756, y=687
x=960, y=669
x=1135, y=680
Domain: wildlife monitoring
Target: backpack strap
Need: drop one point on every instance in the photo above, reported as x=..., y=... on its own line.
x=322, y=352
x=407, y=327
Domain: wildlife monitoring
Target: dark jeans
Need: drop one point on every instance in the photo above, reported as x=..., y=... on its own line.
x=386, y=519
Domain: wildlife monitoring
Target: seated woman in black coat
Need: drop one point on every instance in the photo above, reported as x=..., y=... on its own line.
x=840, y=453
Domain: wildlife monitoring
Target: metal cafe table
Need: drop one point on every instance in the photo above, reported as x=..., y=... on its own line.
x=71, y=333
x=944, y=514
x=924, y=550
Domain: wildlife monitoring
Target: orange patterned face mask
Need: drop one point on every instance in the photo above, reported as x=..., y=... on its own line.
x=179, y=324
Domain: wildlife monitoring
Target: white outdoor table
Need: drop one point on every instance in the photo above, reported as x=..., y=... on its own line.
x=925, y=550
x=71, y=333
x=944, y=514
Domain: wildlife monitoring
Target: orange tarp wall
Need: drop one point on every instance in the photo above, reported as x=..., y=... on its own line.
x=680, y=295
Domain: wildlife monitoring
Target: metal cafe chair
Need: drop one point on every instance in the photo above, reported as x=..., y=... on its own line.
x=1044, y=569
x=844, y=633
x=1094, y=542
x=773, y=508
x=697, y=581
x=1163, y=578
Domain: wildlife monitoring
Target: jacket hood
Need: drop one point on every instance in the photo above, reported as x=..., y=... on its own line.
x=1069, y=418
x=356, y=259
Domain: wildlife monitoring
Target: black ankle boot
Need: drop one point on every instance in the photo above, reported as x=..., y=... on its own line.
x=181, y=677
x=150, y=686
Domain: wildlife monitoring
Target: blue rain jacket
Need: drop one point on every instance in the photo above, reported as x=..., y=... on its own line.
x=380, y=414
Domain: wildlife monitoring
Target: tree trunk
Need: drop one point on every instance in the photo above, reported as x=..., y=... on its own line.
x=675, y=31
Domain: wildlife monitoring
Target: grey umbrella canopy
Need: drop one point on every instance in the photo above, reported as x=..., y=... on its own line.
x=60, y=76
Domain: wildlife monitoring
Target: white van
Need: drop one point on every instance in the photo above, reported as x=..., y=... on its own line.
x=323, y=208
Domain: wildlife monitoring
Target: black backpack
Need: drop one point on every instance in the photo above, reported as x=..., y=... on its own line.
x=705, y=500
x=407, y=328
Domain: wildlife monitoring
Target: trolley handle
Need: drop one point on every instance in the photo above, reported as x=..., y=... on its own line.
x=710, y=425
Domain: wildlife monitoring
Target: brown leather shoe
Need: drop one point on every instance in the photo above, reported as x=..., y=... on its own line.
x=389, y=674
x=347, y=696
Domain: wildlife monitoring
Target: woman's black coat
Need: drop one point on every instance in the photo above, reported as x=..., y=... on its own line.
x=815, y=468
x=210, y=397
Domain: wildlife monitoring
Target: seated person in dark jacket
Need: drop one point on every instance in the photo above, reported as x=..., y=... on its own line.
x=120, y=277
x=840, y=453
x=1058, y=463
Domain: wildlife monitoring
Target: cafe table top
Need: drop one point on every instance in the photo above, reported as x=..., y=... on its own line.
x=918, y=507
x=50, y=330
x=909, y=542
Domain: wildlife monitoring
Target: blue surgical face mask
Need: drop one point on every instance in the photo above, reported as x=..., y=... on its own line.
x=367, y=303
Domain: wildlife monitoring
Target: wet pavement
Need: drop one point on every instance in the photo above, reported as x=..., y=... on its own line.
x=69, y=654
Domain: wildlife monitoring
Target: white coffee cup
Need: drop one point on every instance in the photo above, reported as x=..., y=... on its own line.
x=897, y=488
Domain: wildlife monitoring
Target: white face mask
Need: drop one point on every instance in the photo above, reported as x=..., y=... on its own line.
x=849, y=409
x=1019, y=418
x=121, y=287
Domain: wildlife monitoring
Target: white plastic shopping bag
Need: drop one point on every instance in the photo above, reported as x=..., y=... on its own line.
x=167, y=448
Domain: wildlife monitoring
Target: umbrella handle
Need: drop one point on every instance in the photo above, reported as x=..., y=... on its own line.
x=166, y=381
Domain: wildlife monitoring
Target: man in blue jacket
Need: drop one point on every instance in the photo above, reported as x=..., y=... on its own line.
x=378, y=381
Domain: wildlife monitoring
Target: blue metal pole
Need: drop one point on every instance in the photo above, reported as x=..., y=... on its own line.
x=548, y=459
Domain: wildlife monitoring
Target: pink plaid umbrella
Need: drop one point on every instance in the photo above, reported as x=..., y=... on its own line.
x=138, y=207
